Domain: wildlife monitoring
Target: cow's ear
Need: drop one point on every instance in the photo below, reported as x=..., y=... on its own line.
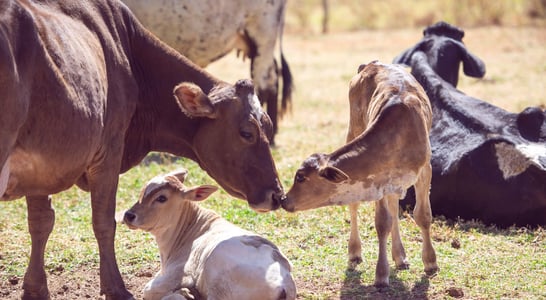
x=405, y=57
x=199, y=193
x=193, y=101
x=180, y=174
x=473, y=66
x=333, y=174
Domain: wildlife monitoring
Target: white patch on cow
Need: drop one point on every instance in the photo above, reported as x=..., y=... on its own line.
x=514, y=160
x=152, y=185
x=4, y=175
x=256, y=106
x=534, y=152
x=350, y=192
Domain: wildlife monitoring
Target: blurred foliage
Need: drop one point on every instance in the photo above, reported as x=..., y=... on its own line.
x=344, y=15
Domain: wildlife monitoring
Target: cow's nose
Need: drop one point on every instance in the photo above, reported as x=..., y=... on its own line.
x=129, y=217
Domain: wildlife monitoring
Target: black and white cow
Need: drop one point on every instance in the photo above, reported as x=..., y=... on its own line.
x=488, y=164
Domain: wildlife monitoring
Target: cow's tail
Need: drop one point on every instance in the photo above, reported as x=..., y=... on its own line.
x=287, y=82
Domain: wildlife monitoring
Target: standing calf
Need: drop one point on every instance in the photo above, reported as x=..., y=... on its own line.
x=202, y=253
x=387, y=151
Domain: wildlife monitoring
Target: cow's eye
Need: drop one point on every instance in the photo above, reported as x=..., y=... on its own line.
x=246, y=135
x=161, y=199
x=300, y=178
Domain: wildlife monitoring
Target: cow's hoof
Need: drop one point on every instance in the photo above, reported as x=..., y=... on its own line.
x=354, y=261
x=125, y=295
x=381, y=284
x=403, y=266
x=43, y=295
x=432, y=271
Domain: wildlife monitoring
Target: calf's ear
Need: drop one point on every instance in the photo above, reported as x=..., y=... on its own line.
x=193, y=101
x=333, y=174
x=199, y=193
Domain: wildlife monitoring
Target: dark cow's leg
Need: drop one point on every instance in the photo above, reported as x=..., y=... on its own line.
x=423, y=217
x=355, y=244
x=398, y=252
x=269, y=94
x=41, y=218
x=383, y=226
x=103, y=187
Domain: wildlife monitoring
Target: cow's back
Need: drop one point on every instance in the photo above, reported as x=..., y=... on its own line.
x=206, y=30
x=65, y=77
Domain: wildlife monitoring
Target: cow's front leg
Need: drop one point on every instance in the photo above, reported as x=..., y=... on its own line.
x=355, y=244
x=41, y=218
x=383, y=226
x=103, y=204
x=398, y=252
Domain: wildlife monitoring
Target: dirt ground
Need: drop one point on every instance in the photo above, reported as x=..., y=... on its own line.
x=512, y=69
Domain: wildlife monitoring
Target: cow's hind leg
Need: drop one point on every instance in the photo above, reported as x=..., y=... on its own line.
x=383, y=226
x=423, y=217
x=398, y=252
x=355, y=244
x=41, y=218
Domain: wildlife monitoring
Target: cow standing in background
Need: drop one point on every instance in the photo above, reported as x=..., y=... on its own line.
x=487, y=163
x=86, y=92
x=387, y=151
x=206, y=30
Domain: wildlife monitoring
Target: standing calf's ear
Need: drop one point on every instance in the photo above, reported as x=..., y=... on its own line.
x=193, y=101
x=333, y=174
x=199, y=193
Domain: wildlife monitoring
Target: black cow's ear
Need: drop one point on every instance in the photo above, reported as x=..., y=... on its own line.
x=404, y=58
x=333, y=174
x=193, y=101
x=473, y=66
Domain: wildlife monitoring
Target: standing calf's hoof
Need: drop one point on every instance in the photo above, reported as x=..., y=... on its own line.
x=354, y=261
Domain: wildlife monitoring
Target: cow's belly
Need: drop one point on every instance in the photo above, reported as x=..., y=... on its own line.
x=33, y=173
x=374, y=189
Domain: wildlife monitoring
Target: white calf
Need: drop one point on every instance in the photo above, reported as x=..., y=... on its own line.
x=203, y=255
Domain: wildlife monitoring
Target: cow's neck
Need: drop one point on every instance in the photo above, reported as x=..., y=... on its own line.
x=176, y=241
x=158, y=124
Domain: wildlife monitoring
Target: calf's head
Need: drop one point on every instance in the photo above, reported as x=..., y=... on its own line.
x=442, y=43
x=232, y=141
x=316, y=184
x=162, y=201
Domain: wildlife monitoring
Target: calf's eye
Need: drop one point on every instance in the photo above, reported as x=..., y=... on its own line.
x=161, y=199
x=300, y=178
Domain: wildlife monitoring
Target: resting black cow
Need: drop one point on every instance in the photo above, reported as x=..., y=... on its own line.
x=487, y=163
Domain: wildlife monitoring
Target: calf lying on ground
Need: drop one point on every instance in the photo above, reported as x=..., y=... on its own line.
x=487, y=163
x=387, y=151
x=201, y=253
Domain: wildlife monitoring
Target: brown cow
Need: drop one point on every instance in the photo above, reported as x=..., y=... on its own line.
x=387, y=151
x=86, y=92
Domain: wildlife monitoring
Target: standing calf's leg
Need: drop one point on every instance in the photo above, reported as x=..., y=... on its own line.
x=41, y=218
x=355, y=244
x=398, y=252
x=383, y=226
x=423, y=217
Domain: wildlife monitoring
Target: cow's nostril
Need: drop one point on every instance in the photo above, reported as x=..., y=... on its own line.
x=129, y=216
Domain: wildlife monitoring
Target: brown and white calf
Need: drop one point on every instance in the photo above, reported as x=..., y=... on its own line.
x=201, y=253
x=387, y=151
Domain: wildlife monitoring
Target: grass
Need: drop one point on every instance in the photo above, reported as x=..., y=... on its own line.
x=476, y=261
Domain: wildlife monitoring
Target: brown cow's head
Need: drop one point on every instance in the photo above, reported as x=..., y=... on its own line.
x=232, y=141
